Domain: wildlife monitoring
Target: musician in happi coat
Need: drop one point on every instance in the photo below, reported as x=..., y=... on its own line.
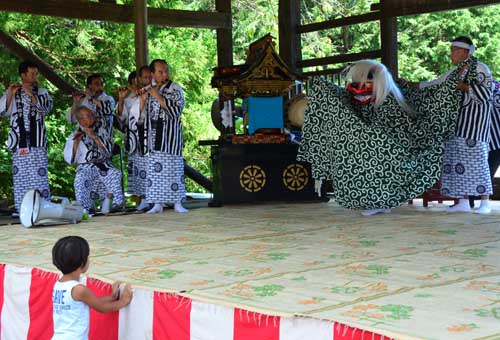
x=27, y=105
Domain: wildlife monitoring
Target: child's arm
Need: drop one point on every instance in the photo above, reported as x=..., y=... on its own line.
x=101, y=304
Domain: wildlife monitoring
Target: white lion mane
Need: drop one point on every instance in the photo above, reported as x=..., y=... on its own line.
x=383, y=84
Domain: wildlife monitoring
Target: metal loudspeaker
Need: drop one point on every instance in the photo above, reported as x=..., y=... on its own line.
x=37, y=210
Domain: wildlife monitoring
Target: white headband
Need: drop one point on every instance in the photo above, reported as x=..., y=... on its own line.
x=466, y=46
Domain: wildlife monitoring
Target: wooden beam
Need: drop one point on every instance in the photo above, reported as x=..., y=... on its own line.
x=331, y=71
x=24, y=54
x=344, y=58
x=224, y=36
x=352, y=20
x=289, y=37
x=141, y=33
x=117, y=13
x=412, y=7
x=198, y=177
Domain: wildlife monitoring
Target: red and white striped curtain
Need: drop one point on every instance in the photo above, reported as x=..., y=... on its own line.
x=26, y=313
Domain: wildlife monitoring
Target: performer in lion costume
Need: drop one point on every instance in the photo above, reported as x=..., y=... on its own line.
x=380, y=145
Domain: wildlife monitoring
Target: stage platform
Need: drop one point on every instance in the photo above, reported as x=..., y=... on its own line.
x=270, y=271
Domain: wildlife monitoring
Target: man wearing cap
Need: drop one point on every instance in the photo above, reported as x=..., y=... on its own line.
x=466, y=171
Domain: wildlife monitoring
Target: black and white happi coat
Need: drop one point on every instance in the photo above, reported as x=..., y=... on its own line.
x=494, y=154
x=165, y=164
x=495, y=118
x=103, y=111
x=95, y=175
x=136, y=145
x=466, y=170
x=27, y=141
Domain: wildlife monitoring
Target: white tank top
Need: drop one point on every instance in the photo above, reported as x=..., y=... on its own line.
x=71, y=318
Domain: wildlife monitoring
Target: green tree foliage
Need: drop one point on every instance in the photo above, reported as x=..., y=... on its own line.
x=77, y=48
x=348, y=39
x=424, y=40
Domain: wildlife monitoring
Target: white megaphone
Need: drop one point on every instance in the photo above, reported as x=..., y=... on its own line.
x=37, y=210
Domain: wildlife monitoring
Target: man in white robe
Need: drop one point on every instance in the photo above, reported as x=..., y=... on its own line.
x=135, y=131
x=163, y=104
x=98, y=102
x=91, y=152
x=27, y=105
x=466, y=170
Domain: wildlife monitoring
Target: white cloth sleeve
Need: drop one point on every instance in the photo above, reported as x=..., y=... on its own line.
x=4, y=110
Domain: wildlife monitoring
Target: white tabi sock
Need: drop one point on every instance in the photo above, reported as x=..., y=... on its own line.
x=179, y=208
x=371, y=212
x=484, y=208
x=143, y=205
x=105, y=205
x=156, y=209
x=462, y=206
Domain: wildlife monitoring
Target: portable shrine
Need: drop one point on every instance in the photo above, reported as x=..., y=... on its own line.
x=259, y=164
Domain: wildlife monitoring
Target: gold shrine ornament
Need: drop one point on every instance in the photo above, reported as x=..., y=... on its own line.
x=252, y=178
x=295, y=177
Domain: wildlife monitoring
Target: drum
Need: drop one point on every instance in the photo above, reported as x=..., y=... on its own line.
x=296, y=109
x=215, y=114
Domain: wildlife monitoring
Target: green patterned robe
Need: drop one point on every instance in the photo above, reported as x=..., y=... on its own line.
x=378, y=158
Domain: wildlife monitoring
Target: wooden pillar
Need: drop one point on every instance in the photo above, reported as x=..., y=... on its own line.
x=225, y=49
x=224, y=36
x=289, y=36
x=389, y=39
x=141, y=32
